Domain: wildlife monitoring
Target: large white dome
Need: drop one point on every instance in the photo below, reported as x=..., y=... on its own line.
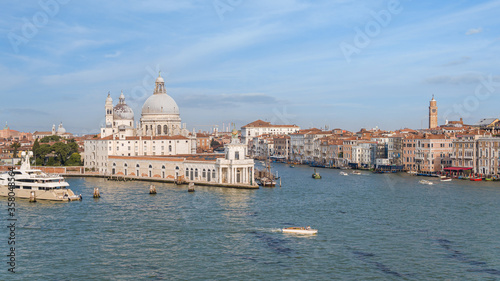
x=160, y=104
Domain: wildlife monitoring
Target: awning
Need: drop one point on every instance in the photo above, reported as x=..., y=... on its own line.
x=457, y=169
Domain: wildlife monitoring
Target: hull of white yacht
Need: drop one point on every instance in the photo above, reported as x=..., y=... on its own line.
x=53, y=195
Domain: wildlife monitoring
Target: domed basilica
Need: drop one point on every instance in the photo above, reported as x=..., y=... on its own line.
x=159, y=117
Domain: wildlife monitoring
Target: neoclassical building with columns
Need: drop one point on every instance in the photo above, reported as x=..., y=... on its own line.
x=231, y=168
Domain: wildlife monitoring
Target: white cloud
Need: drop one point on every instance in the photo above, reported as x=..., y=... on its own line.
x=468, y=78
x=474, y=31
x=113, y=55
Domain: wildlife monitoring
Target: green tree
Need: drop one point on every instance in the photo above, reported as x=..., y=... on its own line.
x=42, y=152
x=36, y=150
x=15, y=146
x=72, y=146
x=61, y=150
x=50, y=139
x=214, y=144
x=74, y=160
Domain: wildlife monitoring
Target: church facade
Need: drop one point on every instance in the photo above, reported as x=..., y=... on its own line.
x=160, y=146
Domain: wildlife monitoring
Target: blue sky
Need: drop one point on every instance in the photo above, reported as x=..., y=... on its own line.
x=310, y=63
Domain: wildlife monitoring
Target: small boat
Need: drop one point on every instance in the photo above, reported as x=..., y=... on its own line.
x=343, y=174
x=476, y=179
x=356, y=172
x=292, y=166
x=316, y=175
x=489, y=179
x=191, y=187
x=426, y=182
x=267, y=182
x=300, y=230
x=445, y=178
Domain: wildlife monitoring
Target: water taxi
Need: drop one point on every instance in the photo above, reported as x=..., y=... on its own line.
x=300, y=230
x=34, y=184
x=445, y=178
x=343, y=173
x=426, y=182
x=356, y=173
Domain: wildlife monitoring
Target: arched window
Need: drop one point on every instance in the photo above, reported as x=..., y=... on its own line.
x=213, y=173
x=137, y=166
x=150, y=166
x=187, y=172
x=204, y=175
x=114, y=164
x=170, y=148
x=125, y=165
x=196, y=173
x=163, y=167
x=165, y=130
x=158, y=131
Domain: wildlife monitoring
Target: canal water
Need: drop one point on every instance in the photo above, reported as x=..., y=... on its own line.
x=371, y=227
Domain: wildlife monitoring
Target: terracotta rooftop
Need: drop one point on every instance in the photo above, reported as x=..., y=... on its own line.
x=263, y=124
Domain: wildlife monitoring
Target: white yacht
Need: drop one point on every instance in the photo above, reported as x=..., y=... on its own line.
x=35, y=184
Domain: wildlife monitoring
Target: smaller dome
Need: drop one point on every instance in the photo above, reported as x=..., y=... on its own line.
x=160, y=80
x=61, y=130
x=123, y=112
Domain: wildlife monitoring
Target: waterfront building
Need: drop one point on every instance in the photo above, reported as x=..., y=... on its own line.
x=409, y=150
x=389, y=148
x=281, y=147
x=332, y=151
x=260, y=147
x=347, y=145
x=488, y=156
x=232, y=167
x=464, y=151
x=312, y=149
x=260, y=127
x=433, y=153
x=363, y=154
x=433, y=113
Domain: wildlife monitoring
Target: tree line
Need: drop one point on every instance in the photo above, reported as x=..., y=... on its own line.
x=58, y=154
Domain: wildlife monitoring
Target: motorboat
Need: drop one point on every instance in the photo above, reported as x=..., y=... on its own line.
x=426, y=182
x=356, y=173
x=316, y=175
x=34, y=184
x=343, y=173
x=300, y=230
x=444, y=178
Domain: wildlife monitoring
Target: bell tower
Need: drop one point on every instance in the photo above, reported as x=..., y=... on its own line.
x=109, y=110
x=433, y=114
